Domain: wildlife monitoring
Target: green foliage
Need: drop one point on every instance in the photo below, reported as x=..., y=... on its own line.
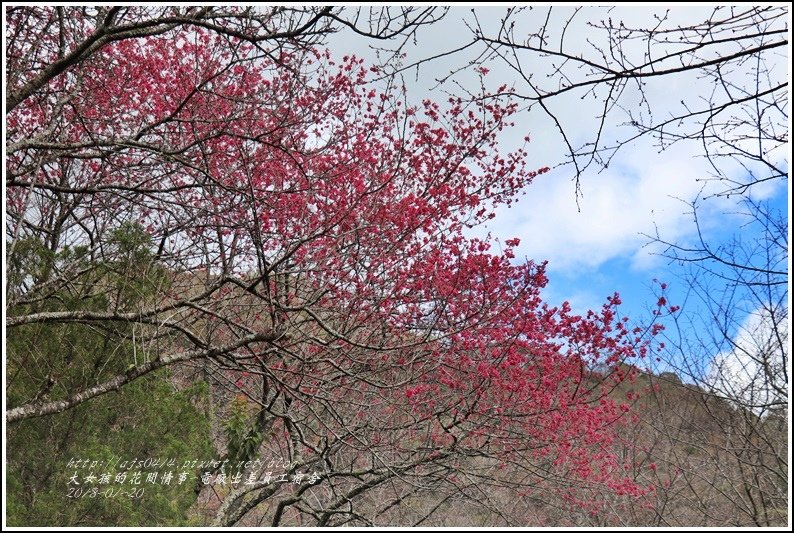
x=27, y=262
x=243, y=437
x=130, y=265
x=148, y=418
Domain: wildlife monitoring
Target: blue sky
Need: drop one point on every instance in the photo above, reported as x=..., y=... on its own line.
x=636, y=269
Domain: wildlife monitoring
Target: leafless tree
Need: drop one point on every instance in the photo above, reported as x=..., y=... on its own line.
x=625, y=74
x=729, y=344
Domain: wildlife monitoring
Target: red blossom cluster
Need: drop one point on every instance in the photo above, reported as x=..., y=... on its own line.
x=350, y=207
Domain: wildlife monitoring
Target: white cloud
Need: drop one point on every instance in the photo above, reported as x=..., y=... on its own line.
x=617, y=206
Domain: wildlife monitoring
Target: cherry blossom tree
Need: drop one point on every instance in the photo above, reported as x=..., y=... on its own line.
x=240, y=205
